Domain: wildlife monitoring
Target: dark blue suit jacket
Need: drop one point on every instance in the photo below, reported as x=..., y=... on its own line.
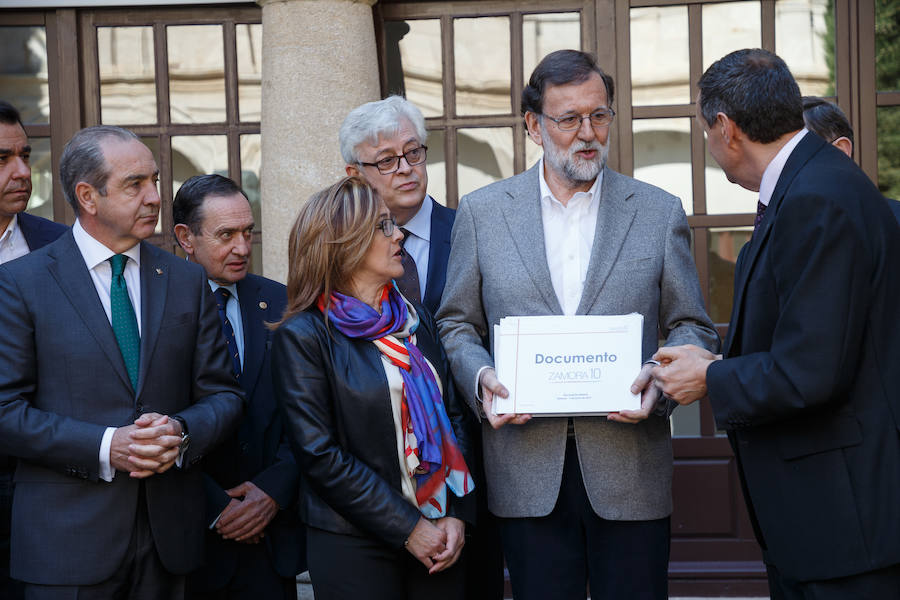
x=808, y=387
x=438, y=254
x=258, y=452
x=39, y=232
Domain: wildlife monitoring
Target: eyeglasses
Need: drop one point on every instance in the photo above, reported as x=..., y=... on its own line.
x=390, y=164
x=599, y=118
x=387, y=226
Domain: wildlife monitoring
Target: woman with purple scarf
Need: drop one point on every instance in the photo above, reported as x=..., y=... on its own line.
x=369, y=409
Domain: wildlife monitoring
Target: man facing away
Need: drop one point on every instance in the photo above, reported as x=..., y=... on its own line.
x=583, y=499
x=113, y=384
x=807, y=386
x=384, y=143
x=20, y=233
x=255, y=543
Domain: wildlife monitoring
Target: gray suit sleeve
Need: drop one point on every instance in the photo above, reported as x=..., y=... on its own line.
x=461, y=318
x=682, y=317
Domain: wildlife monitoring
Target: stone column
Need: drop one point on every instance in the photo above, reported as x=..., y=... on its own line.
x=318, y=63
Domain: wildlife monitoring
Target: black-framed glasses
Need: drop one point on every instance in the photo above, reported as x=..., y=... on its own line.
x=390, y=164
x=599, y=118
x=387, y=226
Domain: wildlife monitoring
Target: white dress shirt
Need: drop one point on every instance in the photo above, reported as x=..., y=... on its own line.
x=774, y=168
x=96, y=256
x=418, y=243
x=233, y=312
x=568, y=239
x=12, y=242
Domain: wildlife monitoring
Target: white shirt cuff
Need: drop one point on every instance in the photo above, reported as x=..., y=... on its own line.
x=478, y=380
x=107, y=472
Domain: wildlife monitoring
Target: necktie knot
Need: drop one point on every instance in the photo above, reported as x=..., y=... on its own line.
x=405, y=233
x=118, y=264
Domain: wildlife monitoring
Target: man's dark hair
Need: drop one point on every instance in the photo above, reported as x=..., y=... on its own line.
x=755, y=88
x=561, y=68
x=187, y=208
x=825, y=119
x=9, y=115
x=82, y=160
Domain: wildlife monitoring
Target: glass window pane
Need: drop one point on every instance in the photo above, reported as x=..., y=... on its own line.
x=481, y=53
x=686, y=421
x=127, y=75
x=887, y=45
x=724, y=246
x=801, y=40
x=729, y=26
x=484, y=156
x=413, y=63
x=198, y=155
x=249, y=65
x=196, y=73
x=888, y=124
x=662, y=156
x=546, y=33
x=23, y=72
x=41, y=202
x=250, y=166
x=436, y=167
x=660, y=58
x=724, y=197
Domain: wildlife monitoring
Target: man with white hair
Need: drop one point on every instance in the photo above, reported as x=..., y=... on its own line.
x=383, y=142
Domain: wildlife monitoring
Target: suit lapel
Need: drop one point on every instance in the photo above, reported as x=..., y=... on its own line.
x=522, y=213
x=252, y=317
x=154, y=285
x=614, y=218
x=73, y=277
x=438, y=253
x=808, y=146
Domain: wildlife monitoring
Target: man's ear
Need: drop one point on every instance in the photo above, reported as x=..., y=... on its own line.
x=86, y=195
x=533, y=122
x=844, y=145
x=352, y=171
x=185, y=238
x=727, y=128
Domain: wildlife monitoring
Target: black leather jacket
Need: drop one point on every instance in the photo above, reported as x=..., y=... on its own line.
x=337, y=414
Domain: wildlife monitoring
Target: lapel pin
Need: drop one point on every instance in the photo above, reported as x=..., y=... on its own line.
x=263, y=305
x=159, y=271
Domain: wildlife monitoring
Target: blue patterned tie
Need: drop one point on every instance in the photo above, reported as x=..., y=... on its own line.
x=222, y=295
x=124, y=323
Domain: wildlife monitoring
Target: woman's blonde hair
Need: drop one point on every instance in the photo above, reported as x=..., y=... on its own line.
x=328, y=242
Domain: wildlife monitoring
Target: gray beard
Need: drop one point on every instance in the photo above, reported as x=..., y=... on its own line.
x=576, y=172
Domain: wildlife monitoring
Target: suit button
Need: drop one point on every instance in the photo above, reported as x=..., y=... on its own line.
x=140, y=408
x=245, y=447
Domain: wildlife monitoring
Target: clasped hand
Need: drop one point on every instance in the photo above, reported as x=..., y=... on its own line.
x=681, y=374
x=438, y=544
x=148, y=446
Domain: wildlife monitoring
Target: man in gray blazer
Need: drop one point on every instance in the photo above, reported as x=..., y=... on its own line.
x=585, y=498
x=114, y=382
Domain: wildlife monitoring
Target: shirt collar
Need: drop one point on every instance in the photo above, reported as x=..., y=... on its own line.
x=776, y=166
x=547, y=195
x=420, y=224
x=95, y=252
x=8, y=234
x=232, y=287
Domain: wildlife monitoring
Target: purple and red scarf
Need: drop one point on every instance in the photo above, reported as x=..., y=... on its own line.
x=433, y=457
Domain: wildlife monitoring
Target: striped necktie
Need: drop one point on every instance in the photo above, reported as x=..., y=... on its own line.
x=222, y=295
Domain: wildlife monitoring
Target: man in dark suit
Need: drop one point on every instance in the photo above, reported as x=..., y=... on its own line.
x=20, y=233
x=255, y=543
x=807, y=386
x=384, y=143
x=113, y=384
